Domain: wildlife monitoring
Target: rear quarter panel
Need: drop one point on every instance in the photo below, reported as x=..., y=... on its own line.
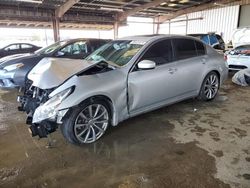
x=216, y=62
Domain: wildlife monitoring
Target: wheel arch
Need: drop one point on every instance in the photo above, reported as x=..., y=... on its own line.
x=212, y=70
x=107, y=100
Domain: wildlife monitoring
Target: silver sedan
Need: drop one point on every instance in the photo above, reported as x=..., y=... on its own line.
x=128, y=77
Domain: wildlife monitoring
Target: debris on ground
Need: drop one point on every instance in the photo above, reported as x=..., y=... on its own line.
x=8, y=174
x=242, y=77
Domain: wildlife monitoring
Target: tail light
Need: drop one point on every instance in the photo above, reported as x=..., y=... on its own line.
x=225, y=57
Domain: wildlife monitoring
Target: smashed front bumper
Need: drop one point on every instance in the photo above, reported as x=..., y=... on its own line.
x=6, y=79
x=47, y=126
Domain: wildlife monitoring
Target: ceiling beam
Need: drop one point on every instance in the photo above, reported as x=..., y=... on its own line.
x=60, y=11
x=197, y=8
x=137, y=9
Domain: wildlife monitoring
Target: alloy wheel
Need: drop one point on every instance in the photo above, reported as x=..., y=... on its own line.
x=211, y=86
x=91, y=123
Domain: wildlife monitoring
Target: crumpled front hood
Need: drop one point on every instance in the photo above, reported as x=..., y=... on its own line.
x=51, y=72
x=12, y=59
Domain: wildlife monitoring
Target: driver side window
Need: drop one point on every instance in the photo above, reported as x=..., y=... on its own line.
x=161, y=53
x=76, y=48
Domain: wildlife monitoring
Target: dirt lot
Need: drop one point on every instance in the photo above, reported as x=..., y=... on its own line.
x=190, y=144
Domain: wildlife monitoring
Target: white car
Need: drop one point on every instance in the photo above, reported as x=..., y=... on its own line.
x=239, y=57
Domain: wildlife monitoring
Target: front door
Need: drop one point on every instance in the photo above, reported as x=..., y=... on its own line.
x=147, y=88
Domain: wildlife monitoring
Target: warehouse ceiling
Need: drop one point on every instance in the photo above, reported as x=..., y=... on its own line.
x=100, y=14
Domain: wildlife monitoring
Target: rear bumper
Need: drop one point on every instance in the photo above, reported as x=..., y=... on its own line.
x=223, y=76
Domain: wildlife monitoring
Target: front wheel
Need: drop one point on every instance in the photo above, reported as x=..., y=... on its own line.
x=87, y=123
x=210, y=87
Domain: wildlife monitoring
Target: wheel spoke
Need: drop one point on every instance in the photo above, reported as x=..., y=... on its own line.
x=83, y=116
x=87, y=135
x=98, y=117
x=93, y=133
x=206, y=91
x=101, y=121
x=83, y=131
x=210, y=93
x=80, y=125
x=99, y=128
x=90, y=111
x=211, y=79
x=97, y=110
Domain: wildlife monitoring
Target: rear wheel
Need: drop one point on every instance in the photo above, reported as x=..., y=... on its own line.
x=210, y=87
x=87, y=123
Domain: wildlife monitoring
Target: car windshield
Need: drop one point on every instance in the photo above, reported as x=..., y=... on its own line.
x=52, y=48
x=241, y=50
x=118, y=52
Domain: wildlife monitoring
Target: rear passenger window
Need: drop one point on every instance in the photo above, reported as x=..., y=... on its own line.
x=184, y=48
x=200, y=48
x=160, y=53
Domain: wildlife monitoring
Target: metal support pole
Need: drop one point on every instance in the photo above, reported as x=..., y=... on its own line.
x=169, y=27
x=157, y=27
x=186, y=24
x=116, y=28
x=157, y=24
x=55, y=24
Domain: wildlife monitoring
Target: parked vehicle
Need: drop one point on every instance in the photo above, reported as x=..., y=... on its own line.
x=14, y=69
x=211, y=39
x=122, y=79
x=239, y=57
x=18, y=48
x=241, y=36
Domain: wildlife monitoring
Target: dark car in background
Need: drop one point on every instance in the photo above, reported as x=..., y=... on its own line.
x=211, y=39
x=14, y=69
x=18, y=48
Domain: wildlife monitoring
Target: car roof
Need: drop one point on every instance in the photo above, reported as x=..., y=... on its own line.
x=86, y=39
x=20, y=43
x=147, y=38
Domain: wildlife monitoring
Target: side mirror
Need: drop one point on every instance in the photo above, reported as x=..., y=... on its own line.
x=146, y=64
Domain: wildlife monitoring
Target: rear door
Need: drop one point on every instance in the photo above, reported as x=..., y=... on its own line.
x=190, y=59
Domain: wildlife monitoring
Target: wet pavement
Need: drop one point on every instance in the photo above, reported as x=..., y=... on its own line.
x=190, y=144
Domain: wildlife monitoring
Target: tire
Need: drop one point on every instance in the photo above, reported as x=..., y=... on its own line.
x=210, y=87
x=86, y=123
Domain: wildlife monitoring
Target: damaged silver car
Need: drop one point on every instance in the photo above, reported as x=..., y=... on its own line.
x=122, y=79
